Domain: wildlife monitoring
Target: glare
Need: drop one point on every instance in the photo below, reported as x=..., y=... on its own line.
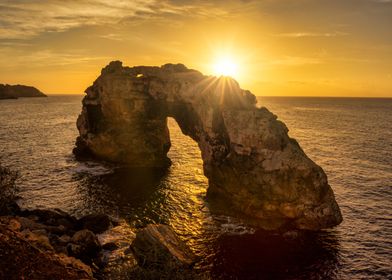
x=225, y=66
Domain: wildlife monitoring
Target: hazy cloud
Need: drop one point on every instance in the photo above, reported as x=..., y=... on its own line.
x=311, y=34
x=296, y=61
x=27, y=18
x=48, y=57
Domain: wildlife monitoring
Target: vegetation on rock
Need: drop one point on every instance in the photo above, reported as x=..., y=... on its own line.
x=8, y=190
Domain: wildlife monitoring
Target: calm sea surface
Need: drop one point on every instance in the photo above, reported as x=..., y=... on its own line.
x=350, y=138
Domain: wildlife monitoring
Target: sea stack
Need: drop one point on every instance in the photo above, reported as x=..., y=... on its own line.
x=256, y=172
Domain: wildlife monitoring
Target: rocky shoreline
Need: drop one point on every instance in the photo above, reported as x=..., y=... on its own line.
x=51, y=244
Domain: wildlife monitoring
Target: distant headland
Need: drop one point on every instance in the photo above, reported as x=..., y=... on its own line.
x=16, y=91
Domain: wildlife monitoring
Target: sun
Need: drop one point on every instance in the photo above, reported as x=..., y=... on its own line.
x=225, y=66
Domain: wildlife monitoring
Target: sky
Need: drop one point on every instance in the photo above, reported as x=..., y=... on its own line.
x=280, y=47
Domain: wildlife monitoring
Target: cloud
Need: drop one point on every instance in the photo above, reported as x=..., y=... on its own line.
x=13, y=43
x=311, y=34
x=115, y=37
x=21, y=19
x=48, y=57
x=296, y=61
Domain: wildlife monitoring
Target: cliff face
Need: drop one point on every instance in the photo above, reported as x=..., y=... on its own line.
x=255, y=170
x=16, y=91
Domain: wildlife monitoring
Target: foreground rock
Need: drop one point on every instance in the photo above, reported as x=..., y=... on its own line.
x=118, y=258
x=60, y=234
x=22, y=258
x=50, y=244
x=159, y=246
x=255, y=170
x=84, y=245
x=97, y=223
x=16, y=91
x=162, y=255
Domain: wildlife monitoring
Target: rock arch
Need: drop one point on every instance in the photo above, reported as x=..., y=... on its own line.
x=255, y=170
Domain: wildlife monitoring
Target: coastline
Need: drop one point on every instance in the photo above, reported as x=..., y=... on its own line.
x=95, y=246
x=19, y=91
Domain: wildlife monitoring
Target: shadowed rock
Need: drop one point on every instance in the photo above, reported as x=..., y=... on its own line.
x=120, y=263
x=97, y=223
x=27, y=256
x=159, y=246
x=255, y=170
x=84, y=245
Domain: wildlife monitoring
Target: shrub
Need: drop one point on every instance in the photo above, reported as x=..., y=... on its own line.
x=8, y=190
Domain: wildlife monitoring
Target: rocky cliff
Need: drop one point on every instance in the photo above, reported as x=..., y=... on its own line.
x=255, y=170
x=16, y=91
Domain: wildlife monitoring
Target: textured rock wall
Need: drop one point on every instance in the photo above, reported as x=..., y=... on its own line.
x=255, y=170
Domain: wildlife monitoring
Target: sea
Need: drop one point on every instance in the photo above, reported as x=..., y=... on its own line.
x=351, y=138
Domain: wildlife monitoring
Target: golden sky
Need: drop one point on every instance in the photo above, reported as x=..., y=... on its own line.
x=281, y=47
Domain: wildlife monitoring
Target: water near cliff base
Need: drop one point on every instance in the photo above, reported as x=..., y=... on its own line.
x=350, y=138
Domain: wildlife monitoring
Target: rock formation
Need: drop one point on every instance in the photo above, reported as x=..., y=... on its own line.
x=161, y=254
x=27, y=253
x=16, y=91
x=158, y=245
x=255, y=170
x=51, y=244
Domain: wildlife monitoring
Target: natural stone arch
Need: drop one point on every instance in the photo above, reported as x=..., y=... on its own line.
x=250, y=161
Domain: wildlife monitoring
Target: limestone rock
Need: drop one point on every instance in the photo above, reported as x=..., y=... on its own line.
x=119, y=261
x=255, y=170
x=97, y=223
x=23, y=258
x=52, y=217
x=159, y=246
x=84, y=245
x=38, y=238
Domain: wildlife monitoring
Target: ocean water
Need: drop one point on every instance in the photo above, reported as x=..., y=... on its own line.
x=350, y=138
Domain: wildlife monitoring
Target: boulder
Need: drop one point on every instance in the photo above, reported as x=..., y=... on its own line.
x=256, y=171
x=29, y=224
x=9, y=207
x=64, y=239
x=38, y=238
x=51, y=217
x=119, y=261
x=159, y=246
x=11, y=222
x=85, y=237
x=84, y=245
x=97, y=223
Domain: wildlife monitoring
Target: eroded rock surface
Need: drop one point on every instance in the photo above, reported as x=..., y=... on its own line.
x=120, y=263
x=56, y=241
x=29, y=255
x=255, y=170
x=159, y=246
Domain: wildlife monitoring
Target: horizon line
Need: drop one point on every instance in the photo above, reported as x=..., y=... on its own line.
x=296, y=96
